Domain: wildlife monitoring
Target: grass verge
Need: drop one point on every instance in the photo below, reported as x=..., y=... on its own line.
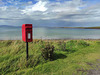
x=71, y=57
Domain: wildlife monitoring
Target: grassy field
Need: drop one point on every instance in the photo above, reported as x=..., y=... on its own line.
x=70, y=57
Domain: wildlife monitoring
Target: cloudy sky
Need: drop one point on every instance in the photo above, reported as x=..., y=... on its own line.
x=50, y=12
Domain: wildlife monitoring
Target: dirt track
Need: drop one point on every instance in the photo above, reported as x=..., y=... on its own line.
x=96, y=68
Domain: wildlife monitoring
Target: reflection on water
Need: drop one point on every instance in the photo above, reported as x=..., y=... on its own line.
x=50, y=33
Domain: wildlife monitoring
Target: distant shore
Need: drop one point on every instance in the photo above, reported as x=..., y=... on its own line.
x=80, y=27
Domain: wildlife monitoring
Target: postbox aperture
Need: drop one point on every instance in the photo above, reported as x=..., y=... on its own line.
x=27, y=32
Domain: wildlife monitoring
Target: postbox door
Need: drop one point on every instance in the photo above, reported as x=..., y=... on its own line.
x=28, y=36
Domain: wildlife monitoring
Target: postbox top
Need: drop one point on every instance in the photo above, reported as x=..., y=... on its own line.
x=27, y=25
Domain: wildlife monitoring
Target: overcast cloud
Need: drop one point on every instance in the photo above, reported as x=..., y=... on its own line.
x=48, y=13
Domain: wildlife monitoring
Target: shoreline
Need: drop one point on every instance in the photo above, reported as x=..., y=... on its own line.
x=79, y=27
x=55, y=39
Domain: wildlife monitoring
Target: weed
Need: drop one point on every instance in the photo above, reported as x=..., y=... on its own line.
x=47, y=51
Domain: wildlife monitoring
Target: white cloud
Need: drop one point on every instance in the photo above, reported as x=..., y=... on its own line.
x=3, y=8
x=39, y=6
x=44, y=10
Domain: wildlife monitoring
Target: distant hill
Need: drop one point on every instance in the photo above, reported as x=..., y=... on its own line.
x=81, y=27
x=10, y=26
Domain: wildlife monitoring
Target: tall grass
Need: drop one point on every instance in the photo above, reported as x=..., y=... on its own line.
x=67, y=57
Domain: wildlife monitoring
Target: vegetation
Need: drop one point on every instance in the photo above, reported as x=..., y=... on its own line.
x=69, y=57
x=47, y=51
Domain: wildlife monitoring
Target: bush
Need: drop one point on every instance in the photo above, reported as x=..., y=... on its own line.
x=60, y=46
x=47, y=51
x=83, y=43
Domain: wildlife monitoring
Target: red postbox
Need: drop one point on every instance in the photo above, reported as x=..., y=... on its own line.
x=27, y=32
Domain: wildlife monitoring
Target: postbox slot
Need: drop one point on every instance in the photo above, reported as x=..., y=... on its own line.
x=29, y=36
x=29, y=29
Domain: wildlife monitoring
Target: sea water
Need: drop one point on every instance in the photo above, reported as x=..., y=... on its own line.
x=14, y=33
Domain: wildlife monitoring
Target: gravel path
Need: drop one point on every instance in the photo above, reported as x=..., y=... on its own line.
x=96, y=68
x=94, y=71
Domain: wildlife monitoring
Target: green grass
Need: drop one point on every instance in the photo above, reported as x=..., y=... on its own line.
x=71, y=57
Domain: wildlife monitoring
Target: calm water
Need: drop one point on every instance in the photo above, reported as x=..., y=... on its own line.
x=50, y=33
